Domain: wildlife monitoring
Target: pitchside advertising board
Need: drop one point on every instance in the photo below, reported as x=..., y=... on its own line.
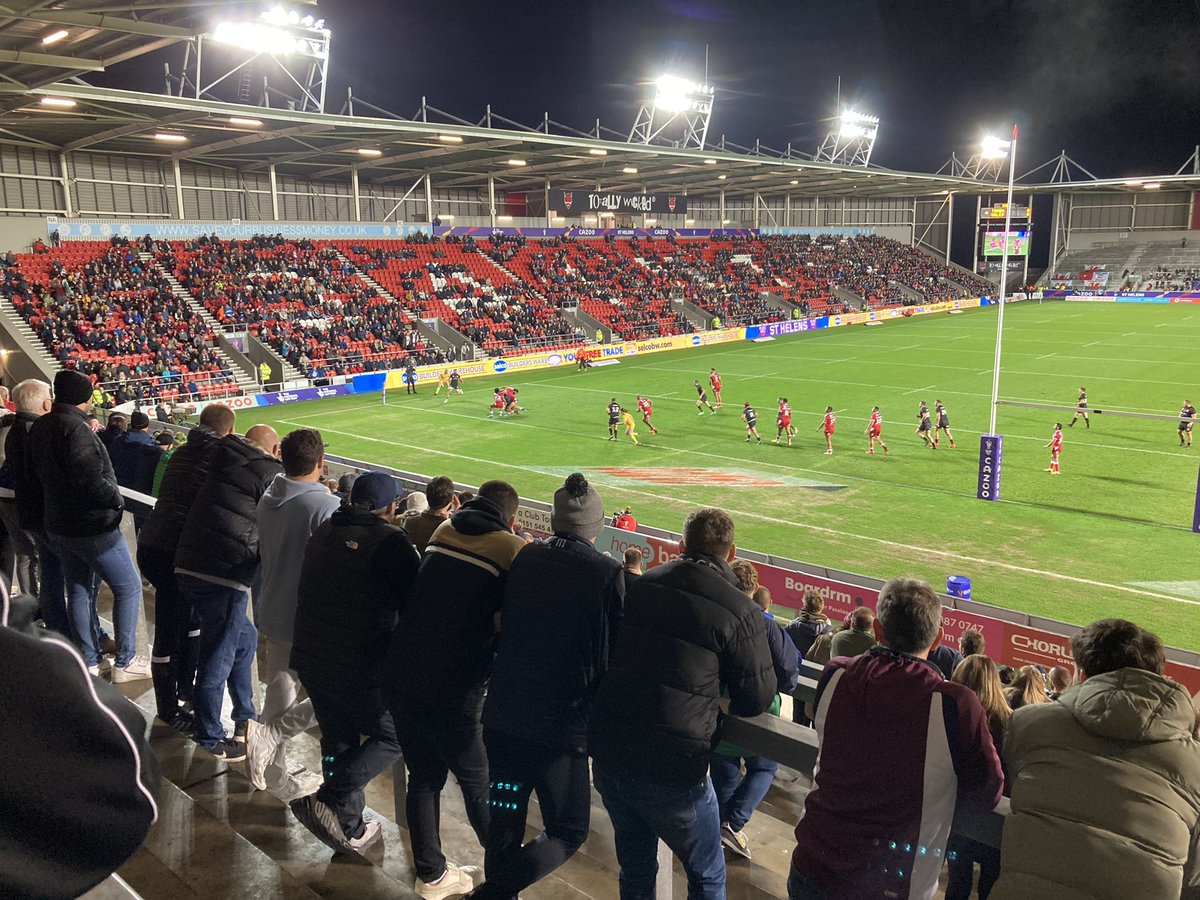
x=991, y=454
x=582, y=203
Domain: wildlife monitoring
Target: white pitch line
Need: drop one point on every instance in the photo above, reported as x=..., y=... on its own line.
x=949, y=554
x=1093, y=343
x=918, y=390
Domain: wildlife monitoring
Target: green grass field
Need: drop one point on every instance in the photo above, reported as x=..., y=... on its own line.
x=1110, y=537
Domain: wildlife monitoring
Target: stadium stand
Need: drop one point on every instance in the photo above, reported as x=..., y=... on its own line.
x=1153, y=266
x=99, y=309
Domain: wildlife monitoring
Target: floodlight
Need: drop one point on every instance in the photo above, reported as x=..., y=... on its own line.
x=1152, y=185
x=722, y=177
x=598, y=151
x=54, y=37
x=675, y=100
x=57, y=101
x=853, y=140
x=171, y=137
x=517, y=162
x=368, y=151
x=307, y=21
x=710, y=162
x=994, y=148
x=794, y=181
x=267, y=38
x=449, y=138
x=244, y=120
x=629, y=170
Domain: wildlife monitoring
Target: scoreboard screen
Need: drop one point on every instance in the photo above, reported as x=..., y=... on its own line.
x=998, y=212
x=1018, y=243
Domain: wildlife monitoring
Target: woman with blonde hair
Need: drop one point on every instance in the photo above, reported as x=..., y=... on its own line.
x=981, y=675
x=1027, y=688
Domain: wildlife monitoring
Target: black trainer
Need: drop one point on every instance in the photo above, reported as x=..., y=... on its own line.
x=229, y=750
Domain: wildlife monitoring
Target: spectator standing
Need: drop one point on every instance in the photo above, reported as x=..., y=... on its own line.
x=970, y=642
x=354, y=582
x=981, y=675
x=811, y=623
x=1058, y=679
x=858, y=638
x=216, y=562
x=295, y=504
x=125, y=447
x=439, y=494
x=32, y=399
x=82, y=510
x=689, y=634
x=1028, y=687
x=632, y=566
x=899, y=747
x=738, y=796
x=410, y=379
x=117, y=423
x=437, y=666
x=20, y=556
x=176, y=628
x=946, y=657
x=560, y=617
x=1106, y=781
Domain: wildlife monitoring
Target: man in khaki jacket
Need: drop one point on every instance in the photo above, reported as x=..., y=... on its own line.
x=1105, y=781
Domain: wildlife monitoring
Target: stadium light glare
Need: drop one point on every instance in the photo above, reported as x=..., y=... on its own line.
x=503, y=218
x=674, y=94
x=629, y=170
x=1132, y=183
x=517, y=162
x=598, y=151
x=170, y=137
x=272, y=36
x=994, y=148
x=368, y=151
x=450, y=138
x=54, y=37
x=710, y=162
x=722, y=177
x=246, y=121
x=794, y=181
x=62, y=102
x=1152, y=185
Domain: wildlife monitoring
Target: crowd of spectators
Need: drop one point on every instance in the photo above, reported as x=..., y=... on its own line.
x=302, y=300
x=105, y=313
x=557, y=667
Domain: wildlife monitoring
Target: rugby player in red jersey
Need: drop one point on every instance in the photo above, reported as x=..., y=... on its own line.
x=714, y=379
x=874, y=429
x=783, y=421
x=1055, y=445
x=828, y=426
x=647, y=410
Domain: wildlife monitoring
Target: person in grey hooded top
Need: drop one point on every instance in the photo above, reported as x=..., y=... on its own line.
x=295, y=504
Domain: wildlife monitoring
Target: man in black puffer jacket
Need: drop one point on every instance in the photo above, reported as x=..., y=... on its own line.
x=688, y=633
x=559, y=619
x=173, y=661
x=354, y=583
x=215, y=565
x=82, y=516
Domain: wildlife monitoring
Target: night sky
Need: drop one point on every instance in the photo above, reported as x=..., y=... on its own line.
x=1114, y=82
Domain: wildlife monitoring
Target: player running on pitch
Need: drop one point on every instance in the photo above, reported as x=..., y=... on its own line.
x=1055, y=445
x=1081, y=409
x=783, y=421
x=647, y=410
x=702, y=400
x=1187, y=418
x=511, y=408
x=630, y=425
x=828, y=426
x=455, y=385
x=496, y=410
x=750, y=417
x=943, y=423
x=874, y=430
x=443, y=382
x=614, y=417
x=714, y=379
x=925, y=426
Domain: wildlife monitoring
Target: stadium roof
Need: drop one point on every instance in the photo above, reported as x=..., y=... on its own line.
x=322, y=145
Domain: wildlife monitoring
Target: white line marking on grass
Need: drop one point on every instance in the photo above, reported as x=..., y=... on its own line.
x=830, y=362
x=919, y=390
x=985, y=372
x=1048, y=355
x=1163, y=324
x=931, y=551
x=1093, y=343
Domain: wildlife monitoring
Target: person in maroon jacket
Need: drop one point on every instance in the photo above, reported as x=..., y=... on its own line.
x=900, y=749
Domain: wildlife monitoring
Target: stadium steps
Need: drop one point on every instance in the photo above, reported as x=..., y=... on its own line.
x=23, y=338
x=443, y=335
x=790, y=309
x=242, y=369
x=699, y=317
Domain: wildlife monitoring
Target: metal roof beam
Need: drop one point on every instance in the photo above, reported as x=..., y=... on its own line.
x=106, y=23
x=253, y=137
x=122, y=130
x=51, y=60
x=426, y=153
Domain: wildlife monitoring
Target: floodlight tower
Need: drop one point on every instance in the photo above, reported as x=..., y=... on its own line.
x=851, y=143
x=675, y=100
x=280, y=58
x=984, y=165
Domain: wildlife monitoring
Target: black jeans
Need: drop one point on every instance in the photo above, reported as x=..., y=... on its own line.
x=962, y=853
x=347, y=714
x=438, y=738
x=176, y=633
x=519, y=768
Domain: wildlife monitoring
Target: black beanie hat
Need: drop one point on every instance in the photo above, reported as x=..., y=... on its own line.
x=72, y=387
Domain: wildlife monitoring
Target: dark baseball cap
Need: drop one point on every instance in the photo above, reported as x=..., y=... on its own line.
x=376, y=488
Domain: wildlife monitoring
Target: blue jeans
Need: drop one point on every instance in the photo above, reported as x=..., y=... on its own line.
x=52, y=588
x=738, y=797
x=228, y=641
x=104, y=557
x=686, y=819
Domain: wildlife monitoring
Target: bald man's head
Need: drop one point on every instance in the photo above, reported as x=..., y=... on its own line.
x=265, y=438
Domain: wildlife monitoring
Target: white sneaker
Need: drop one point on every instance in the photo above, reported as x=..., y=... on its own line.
x=94, y=671
x=456, y=881
x=137, y=668
x=105, y=664
x=371, y=833
x=299, y=784
x=260, y=750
